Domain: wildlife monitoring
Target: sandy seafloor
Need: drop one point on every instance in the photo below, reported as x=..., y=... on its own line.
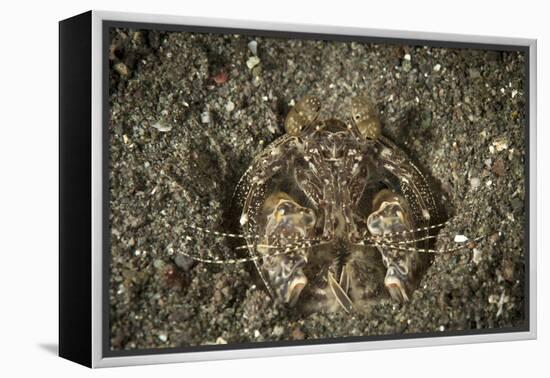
x=180, y=141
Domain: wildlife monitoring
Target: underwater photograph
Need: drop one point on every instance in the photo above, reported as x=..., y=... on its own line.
x=308, y=188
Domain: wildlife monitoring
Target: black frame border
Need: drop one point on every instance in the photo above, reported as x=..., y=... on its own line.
x=75, y=189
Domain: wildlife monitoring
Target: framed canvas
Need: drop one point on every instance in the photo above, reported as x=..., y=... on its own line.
x=234, y=189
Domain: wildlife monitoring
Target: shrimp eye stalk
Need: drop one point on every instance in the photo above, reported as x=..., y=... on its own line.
x=365, y=117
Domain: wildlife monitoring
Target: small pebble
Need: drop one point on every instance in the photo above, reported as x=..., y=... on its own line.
x=205, y=117
x=122, y=69
x=158, y=263
x=221, y=340
x=502, y=300
x=230, y=106
x=252, y=62
x=162, y=127
x=514, y=93
x=184, y=262
x=499, y=168
x=437, y=67
x=460, y=238
x=500, y=144
x=253, y=47
x=163, y=337
x=221, y=77
x=278, y=330
x=474, y=183
x=406, y=64
x=476, y=258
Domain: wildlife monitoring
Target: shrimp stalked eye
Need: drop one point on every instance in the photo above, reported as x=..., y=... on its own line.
x=365, y=118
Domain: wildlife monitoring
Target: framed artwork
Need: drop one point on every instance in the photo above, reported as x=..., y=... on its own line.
x=232, y=189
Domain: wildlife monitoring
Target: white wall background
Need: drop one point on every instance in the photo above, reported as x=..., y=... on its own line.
x=28, y=189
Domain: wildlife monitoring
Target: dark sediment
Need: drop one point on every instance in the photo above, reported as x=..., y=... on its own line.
x=188, y=116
